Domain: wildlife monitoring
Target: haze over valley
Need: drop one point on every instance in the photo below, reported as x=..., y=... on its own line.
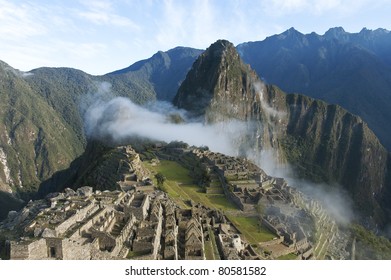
x=286, y=137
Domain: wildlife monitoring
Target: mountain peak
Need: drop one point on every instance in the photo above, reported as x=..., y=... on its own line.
x=217, y=75
x=336, y=33
x=336, y=30
x=221, y=48
x=221, y=44
x=292, y=37
x=368, y=33
x=291, y=32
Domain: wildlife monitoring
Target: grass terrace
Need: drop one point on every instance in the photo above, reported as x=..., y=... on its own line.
x=288, y=257
x=211, y=250
x=180, y=186
x=251, y=229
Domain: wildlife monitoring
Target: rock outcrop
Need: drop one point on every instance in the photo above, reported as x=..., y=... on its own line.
x=324, y=142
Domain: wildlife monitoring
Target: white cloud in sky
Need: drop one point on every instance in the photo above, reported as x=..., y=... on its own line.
x=319, y=7
x=18, y=21
x=104, y=13
x=101, y=36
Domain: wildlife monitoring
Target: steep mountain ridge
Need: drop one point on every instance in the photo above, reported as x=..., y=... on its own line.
x=324, y=142
x=213, y=74
x=163, y=72
x=43, y=105
x=35, y=140
x=47, y=105
x=349, y=69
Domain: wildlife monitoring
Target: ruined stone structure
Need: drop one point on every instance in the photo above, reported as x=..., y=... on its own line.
x=140, y=222
x=250, y=188
x=115, y=225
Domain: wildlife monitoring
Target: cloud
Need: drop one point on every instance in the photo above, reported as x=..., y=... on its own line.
x=104, y=13
x=289, y=5
x=314, y=7
x=20, y=21
x=89, y=50
x=119, y=119
x=200, y=23
x=32, y=35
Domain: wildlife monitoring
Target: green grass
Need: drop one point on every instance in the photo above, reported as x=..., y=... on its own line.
x=288, y=257
x=132, y=254
x=214, y=245
x=221, y=202
x=215, y=184
x=209, y=250
x=180, y=186
x=173, y=171
x=370, y=246
x=250, y=228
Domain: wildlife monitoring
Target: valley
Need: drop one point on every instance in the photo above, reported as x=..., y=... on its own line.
x=91, y=219
x=165, y=159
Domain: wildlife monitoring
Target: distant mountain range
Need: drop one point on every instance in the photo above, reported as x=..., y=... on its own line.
x=352, y=70
x=41, y=115
x=324, y=143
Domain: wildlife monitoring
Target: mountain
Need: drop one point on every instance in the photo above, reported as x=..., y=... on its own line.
x=162, y=74
x=41, y=114
x=41, y=124
x=324, y=143
x=35, y=140
x=352, y=70
x=57, y=96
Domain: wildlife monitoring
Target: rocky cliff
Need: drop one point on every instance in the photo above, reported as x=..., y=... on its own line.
x=348, y=69
x=323, y=142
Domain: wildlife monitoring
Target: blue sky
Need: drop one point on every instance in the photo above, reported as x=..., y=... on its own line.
x=100, y=36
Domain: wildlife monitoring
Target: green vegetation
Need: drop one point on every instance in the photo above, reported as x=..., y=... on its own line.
x=178, y=186
x=132, y=254
x=42, y=113
x=173, y=171
x=211, y=251
x=43, y=140
x=251, y=229
x=8, y=203
x=287, y=257
x=370, y=246
x=298, y=152
x=160, y=178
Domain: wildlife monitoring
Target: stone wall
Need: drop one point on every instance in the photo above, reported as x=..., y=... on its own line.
x=54, y=248
x=158, y=234
x=145, y=206
x=36, y=250
x=18, y=251
x=106, y=241
x=74, y=250
x=141, y=211
x=275, y=241
x=124, y=234
x=78, y=216
x=270, y=226
x=286, y=251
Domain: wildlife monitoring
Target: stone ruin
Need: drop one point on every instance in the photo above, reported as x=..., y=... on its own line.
x=87, y=224
x=140, y=222
x=249, y=187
